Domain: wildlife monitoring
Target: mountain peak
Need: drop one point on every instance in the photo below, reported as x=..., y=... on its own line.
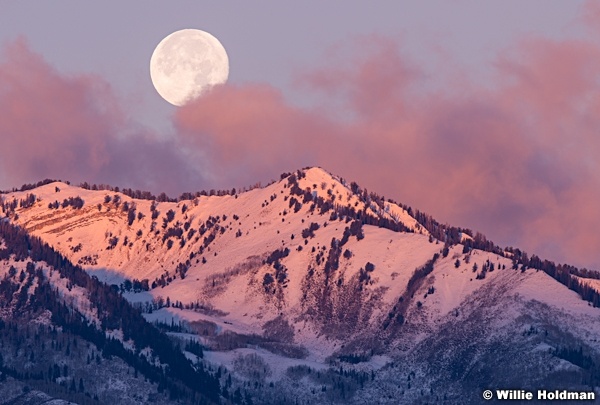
x=313, y=271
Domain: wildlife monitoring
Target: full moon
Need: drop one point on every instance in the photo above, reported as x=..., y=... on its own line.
x=186, y=64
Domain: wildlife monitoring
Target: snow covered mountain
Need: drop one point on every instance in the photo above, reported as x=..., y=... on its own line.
x=64, y=334
x=311, y=289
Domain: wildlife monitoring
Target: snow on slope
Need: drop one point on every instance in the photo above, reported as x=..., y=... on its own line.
x=325, y=184
x=324, y=309
x=453, y=284
x=74, y=296
x=257, y=223
x=594, y=283
x=86, y=233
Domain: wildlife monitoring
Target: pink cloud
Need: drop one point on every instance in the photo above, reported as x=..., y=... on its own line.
x=46, y=115
x=73, y=128
x=249, y=133
x=368, y=78
x=516, y=162
x=591, y=15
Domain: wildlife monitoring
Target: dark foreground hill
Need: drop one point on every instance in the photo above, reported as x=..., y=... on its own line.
x=53, y=330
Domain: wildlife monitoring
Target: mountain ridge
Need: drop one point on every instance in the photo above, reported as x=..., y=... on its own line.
x=419, y=221
x=313, y=272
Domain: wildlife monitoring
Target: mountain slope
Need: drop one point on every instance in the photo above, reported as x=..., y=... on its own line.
x=311, y=284
x=61, y=328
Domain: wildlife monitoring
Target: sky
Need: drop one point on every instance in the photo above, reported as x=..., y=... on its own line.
x=482, y=114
